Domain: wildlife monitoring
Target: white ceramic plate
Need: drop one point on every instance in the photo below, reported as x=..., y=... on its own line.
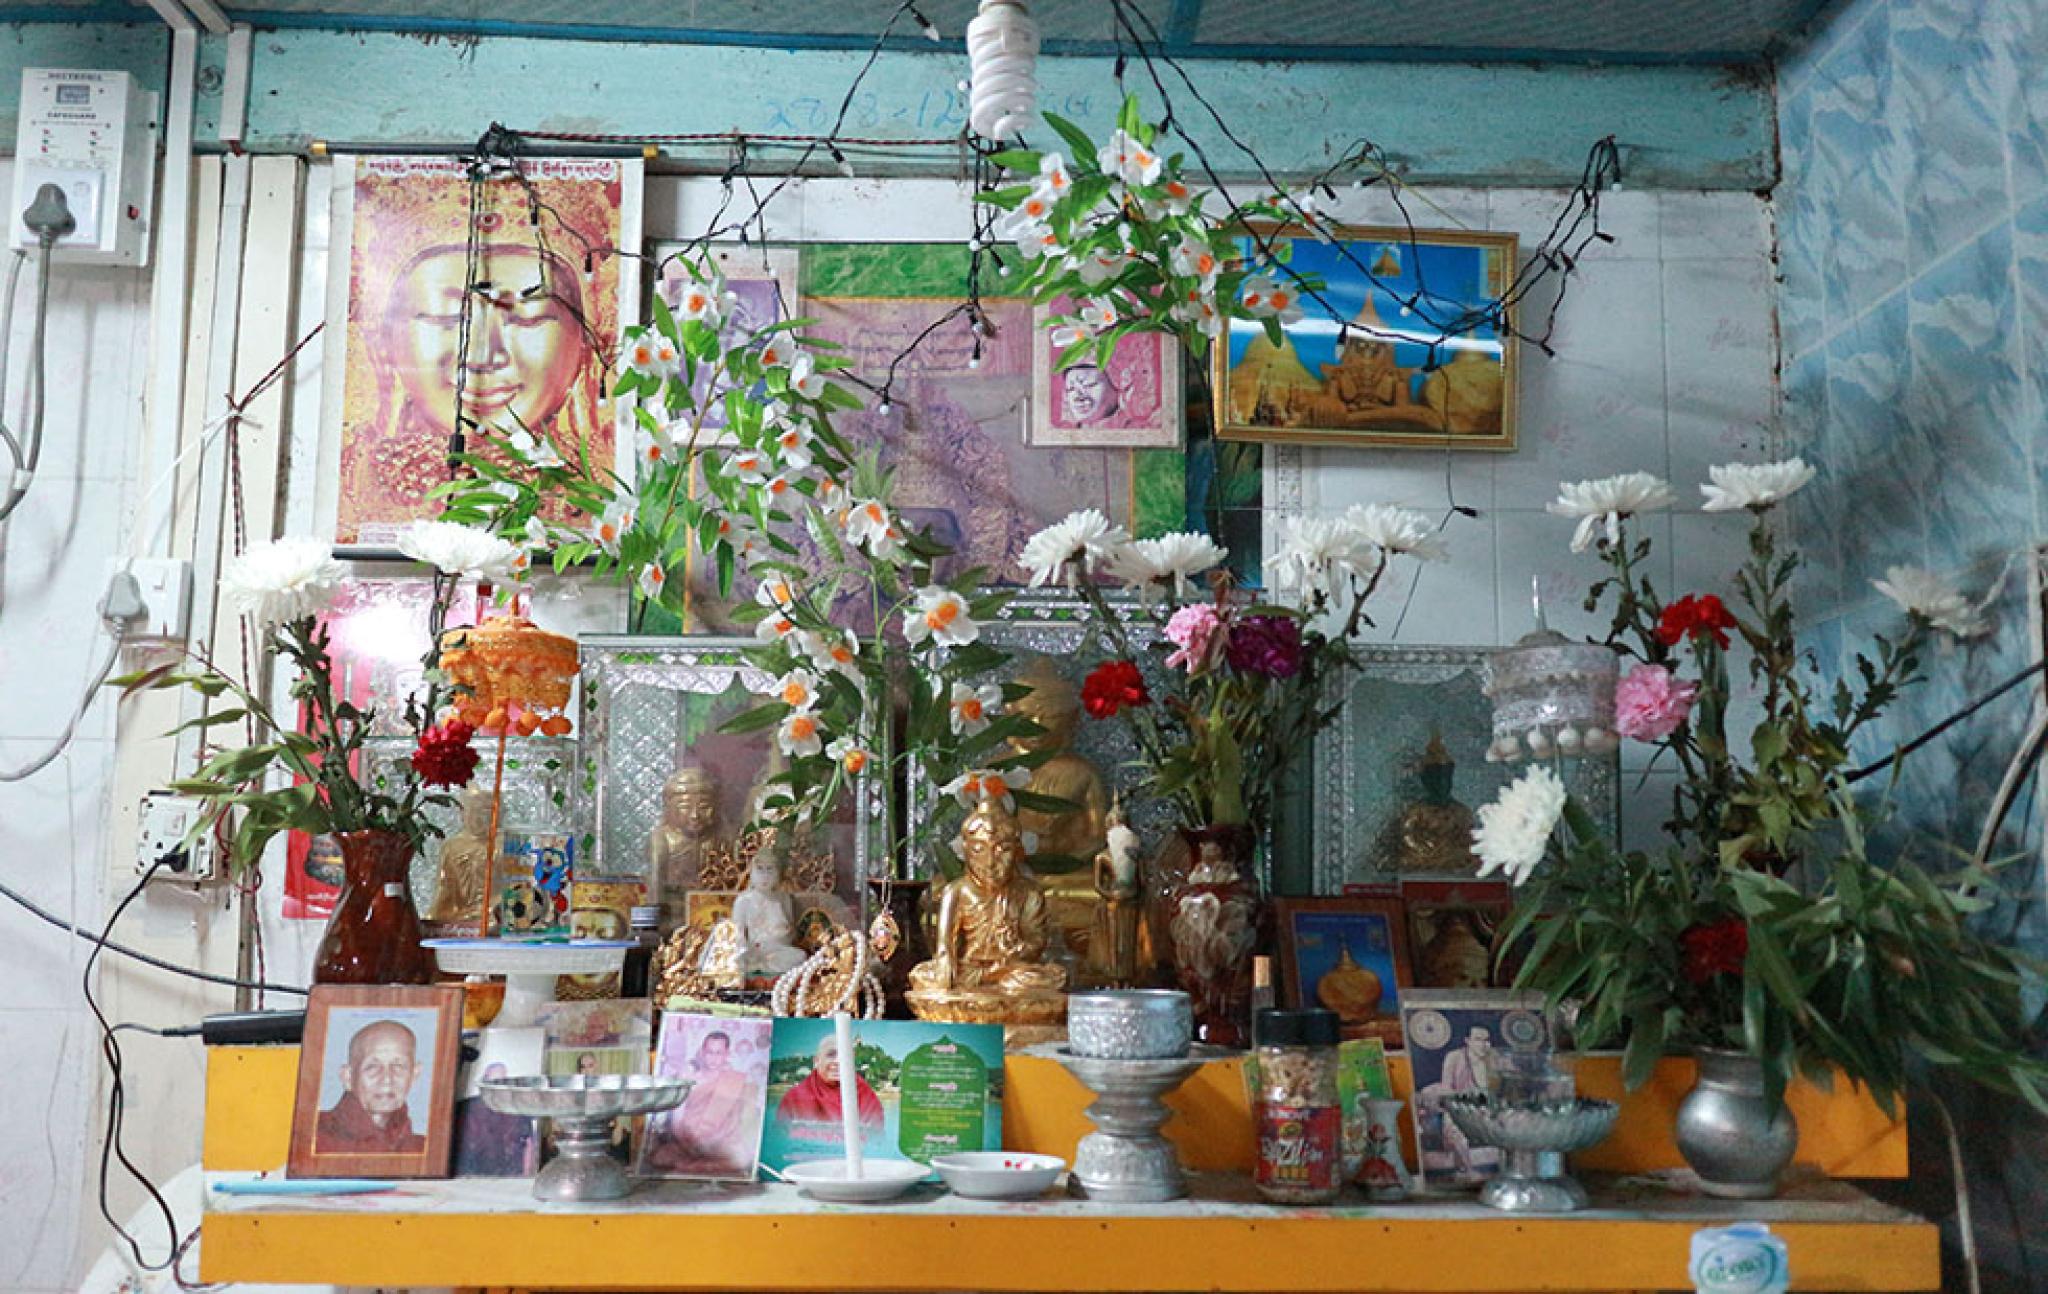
x=999, y=1174
x=881, y=1179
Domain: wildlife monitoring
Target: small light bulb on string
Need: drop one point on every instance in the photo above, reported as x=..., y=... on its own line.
x=931, y=31
x=845, y=167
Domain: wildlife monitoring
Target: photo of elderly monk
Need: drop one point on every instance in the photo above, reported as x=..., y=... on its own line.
x=376, y=1082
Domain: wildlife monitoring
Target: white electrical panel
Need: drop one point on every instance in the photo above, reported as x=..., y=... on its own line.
x=93, y=135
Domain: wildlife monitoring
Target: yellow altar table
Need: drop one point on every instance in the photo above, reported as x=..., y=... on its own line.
x=671, y=1235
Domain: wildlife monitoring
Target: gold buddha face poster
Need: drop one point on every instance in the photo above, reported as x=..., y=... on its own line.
x=501, y=298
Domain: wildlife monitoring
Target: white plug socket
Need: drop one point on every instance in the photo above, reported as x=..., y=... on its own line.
x=161, y=828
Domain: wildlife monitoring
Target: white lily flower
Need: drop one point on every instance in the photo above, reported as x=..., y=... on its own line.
x=940, y=616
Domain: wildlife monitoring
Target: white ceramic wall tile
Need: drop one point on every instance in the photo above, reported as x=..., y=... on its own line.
x=54, y=562
x=1442, y=603
x=43, y=1145
x=1630, y=216
x=52, y=825
x=1732, y=228
x=1427, y=208
x=1719, y=354
x=1430, y=479
x=1535, y=549
x=1597, y=406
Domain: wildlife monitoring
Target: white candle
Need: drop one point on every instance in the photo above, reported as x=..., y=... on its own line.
x=849, y=1093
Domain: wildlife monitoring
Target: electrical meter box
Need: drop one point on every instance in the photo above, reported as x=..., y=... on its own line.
x=93, y=135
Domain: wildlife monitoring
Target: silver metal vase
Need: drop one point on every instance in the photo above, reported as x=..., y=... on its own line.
x=1729, y=1133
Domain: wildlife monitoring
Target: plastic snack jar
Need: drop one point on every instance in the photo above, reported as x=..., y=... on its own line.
x=1295, y=1107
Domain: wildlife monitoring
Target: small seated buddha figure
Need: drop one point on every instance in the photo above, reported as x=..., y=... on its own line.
x=990, y=966
x=465, y=857
x=766, y=920
x=1072, y=837
x=1432, y=836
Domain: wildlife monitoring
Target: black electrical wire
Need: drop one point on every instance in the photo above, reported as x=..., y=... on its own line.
x=117, y=1102
x=226, y=981
x=1869, y=770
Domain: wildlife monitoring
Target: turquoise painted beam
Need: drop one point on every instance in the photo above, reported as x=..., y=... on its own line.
x=1450, y=123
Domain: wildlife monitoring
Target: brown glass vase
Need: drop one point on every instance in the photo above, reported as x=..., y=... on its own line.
x=374, y=935
x=1214, y=930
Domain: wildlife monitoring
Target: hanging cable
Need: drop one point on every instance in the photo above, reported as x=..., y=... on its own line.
x=50, y=217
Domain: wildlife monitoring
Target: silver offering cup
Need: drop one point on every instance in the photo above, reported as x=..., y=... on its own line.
x=582, y=1108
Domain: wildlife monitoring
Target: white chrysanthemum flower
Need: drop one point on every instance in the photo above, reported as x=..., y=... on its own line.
x=1926, y=596
x=972, y=709
x=939, y=615
x=1317, y=555
x=1085, y=537
x=1169, y=561
x=1754, y=485
x=282, y=581
x=1398, y=530
x=1514, y=831
x=459, y=550
x=1607, y=501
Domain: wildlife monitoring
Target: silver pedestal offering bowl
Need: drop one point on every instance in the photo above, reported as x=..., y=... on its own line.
x=582, y=1107
x=1125, y=1159
x=1534, y=1137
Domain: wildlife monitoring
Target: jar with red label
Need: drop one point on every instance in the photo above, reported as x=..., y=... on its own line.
x=1299, y=1116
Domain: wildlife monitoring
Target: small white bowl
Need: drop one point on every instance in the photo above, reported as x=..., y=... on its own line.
x=999, y=1174
x=880, y=1179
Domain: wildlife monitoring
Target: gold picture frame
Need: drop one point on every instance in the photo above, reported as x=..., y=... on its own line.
x=1384, y=385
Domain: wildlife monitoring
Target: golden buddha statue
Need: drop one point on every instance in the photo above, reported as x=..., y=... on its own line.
x=677, y=845
x=994, y=928
x=465, y=857
x=1067, y=839
x=1433, y=834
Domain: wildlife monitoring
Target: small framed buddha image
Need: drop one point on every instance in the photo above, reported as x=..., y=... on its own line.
x=1348, y=955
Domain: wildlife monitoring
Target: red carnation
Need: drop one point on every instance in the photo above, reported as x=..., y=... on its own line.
x=1715, y=949
x=1690, y=616
x=445, y=757
x=1113, y=686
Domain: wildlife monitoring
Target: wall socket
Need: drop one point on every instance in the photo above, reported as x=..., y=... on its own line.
x=162, y=825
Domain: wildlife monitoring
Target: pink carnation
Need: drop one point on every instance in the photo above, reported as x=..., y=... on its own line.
x=1198, y=631
x=1650, y=703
